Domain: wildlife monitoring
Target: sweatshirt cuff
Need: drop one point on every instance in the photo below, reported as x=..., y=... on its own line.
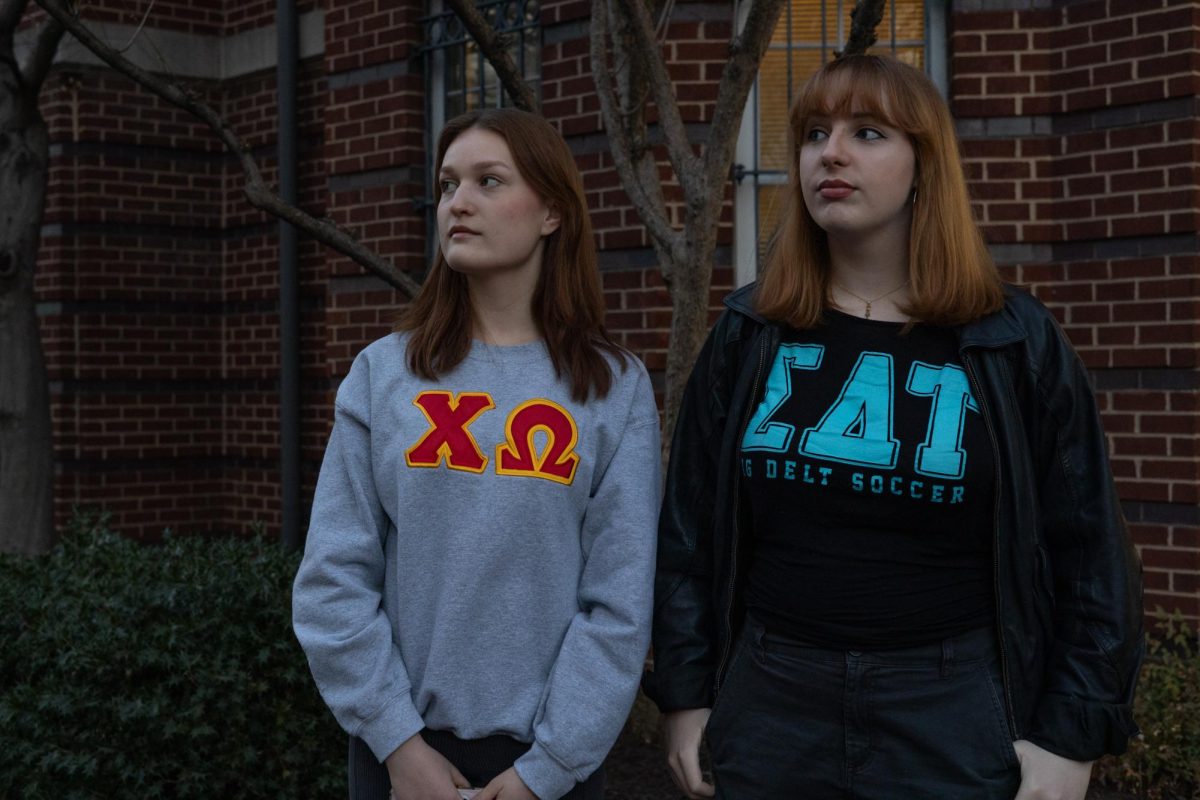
x=544, y=774
x=391, y=726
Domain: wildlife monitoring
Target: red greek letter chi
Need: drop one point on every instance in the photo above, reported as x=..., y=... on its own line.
x=449, y=417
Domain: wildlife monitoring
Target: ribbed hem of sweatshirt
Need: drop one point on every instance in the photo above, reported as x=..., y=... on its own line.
x=392, y=726
x=544, y=775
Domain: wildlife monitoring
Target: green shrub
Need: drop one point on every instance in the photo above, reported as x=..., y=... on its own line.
x=167, y=670
x=1165, y=763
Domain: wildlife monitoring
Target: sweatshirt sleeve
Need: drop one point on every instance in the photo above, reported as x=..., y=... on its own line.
x=337, y=599
x=595, y=677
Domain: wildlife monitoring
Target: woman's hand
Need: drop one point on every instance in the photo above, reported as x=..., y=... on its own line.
x=685, y=729
x=1046, y=776
x=506, y=786
x=418, y=772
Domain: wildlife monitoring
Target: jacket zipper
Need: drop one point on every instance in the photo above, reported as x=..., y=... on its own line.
x=987, y=423
x=736, y=508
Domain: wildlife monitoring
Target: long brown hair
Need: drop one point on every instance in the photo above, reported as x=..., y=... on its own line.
x=568, y=305
x=952, y=277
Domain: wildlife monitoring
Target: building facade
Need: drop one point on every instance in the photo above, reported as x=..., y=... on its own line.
x=158, y=283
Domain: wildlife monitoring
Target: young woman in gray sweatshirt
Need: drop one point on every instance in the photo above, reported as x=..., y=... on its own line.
x=475, y=593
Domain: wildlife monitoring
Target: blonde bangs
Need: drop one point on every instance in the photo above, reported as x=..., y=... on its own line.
x=855, y=88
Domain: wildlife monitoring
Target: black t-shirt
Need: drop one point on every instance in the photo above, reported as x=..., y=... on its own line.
x=869, y=475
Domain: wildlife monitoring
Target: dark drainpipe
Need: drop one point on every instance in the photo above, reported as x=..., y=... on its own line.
x=287, y=29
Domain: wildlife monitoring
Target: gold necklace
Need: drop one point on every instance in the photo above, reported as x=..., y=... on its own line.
x=867, y=314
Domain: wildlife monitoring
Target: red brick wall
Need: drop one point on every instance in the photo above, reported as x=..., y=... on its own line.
x=127, y=302
x=158, y=283
x=1082, y=141
x=249, y=282
x=374, y=157
x=158, y=288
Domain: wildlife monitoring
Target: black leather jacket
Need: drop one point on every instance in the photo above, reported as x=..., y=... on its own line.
x=1067, y=579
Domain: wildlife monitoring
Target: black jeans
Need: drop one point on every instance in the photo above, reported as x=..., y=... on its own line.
x=479, y=760
x=922, y=722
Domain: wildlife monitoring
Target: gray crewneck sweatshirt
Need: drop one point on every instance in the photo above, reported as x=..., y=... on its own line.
x=480, y=558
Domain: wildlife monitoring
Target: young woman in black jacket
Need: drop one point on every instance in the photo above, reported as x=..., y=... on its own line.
x=892, y=563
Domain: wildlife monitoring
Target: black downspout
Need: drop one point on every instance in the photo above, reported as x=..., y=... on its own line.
x=287, y=29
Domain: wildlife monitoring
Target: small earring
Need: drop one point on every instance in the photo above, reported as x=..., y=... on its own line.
x=914, y=194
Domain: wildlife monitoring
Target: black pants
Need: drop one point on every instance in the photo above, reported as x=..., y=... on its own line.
x=923, y=722
x=479, y=760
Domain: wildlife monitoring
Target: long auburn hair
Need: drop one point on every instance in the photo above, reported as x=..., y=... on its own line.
x=568, y=305
x=952, y=277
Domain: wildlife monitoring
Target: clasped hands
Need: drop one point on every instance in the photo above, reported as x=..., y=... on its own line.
x=418, y=772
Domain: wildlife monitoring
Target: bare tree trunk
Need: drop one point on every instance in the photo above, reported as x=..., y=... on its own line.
x=629, y=69
x=26, y=446
x=689, y=325
x=26, y=466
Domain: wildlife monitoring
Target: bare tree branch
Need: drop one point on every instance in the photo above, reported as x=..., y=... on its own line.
x=141, y=26
x=630, y=67
x=664, y=17
x=679, y=149
x=650, y=205
x=746, y=54
x=35, y=69
x=11, y=12
x=632, y=88
x=632, y=84
x=256, y=190
x=863, y=20
x=495, y=50
x=9, y=67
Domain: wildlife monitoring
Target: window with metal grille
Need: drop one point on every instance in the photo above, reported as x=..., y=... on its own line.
x=808, y=33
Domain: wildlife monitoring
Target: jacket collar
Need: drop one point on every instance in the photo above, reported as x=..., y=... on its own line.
x=742, y=301
x=998, y=329
x=995, y=330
